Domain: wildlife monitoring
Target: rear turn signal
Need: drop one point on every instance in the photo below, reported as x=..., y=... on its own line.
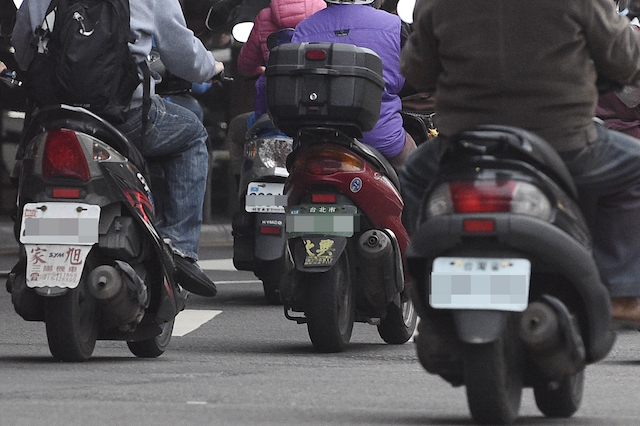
x=327, y=159
x=63, y=157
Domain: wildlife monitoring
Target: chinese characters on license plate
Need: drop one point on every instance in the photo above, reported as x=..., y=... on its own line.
x=54, y=265
x=264, y=197
x=480, y=283
x=57, y=238
x=321, y=219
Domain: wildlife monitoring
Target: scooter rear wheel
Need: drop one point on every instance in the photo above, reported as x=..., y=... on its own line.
x=563, y=398
x=270, y=274
x=493, y=376
x=154, y=347
x=72, y=324
x=329, y=306
x=399, y=324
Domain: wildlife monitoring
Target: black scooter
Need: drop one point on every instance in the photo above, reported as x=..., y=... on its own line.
x=505, y=285
x=92, y=264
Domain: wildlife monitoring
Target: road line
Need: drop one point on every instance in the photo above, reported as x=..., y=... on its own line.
x=190, y=319
x=217, y=265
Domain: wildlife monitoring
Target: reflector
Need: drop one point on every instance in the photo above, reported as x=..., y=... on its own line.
x=316, y=55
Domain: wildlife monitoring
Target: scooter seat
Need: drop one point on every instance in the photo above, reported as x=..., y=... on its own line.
x=539, y=151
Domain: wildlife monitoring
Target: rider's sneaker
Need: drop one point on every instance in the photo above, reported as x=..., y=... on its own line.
x=191, y=277
x=626, y=312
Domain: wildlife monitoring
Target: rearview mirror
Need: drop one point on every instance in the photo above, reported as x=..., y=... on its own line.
x=222, y=13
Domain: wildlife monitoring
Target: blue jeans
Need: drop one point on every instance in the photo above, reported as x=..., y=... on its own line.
x=176, y=140
x=607, y=175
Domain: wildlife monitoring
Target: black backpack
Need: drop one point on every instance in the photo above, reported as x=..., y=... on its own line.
x=83, y=59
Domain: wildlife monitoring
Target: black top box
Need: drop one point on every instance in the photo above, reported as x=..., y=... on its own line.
x=331, y=85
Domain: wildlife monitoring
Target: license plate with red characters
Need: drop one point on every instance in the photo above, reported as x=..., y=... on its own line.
x=57, y=238
x=55, y=265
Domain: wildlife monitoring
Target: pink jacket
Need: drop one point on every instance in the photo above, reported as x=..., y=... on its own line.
x=280, y=14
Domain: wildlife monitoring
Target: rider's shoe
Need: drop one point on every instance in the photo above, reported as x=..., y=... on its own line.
x=626, y=312
x=191, y=277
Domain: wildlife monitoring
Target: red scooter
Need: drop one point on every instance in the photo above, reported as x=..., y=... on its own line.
x=345, y=237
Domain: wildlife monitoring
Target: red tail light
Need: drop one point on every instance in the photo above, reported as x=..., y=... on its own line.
x=482, y=196
x=327, y=160
x=323, y=198
x=63, y=157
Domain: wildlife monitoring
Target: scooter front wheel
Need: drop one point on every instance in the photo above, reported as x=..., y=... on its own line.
x=72, y=324
x=493, y=376
x=154, y=347
x=329, y=306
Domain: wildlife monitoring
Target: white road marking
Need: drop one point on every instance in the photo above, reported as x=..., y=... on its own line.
x=190, y=319
x=217, y=265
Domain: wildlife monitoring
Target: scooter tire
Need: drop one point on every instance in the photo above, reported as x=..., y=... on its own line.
x=329, y=306
x=270, y=274
x=493, y=376
x=154, y=347
x=399, y=324
x=71, y=322
x=562, y=399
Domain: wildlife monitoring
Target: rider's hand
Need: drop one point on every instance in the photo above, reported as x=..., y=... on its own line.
x=219, y=67
x=3, y=67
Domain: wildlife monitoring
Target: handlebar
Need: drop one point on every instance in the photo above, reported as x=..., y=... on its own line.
x=11, y=78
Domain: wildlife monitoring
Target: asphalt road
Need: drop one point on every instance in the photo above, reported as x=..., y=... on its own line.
x=235, y=360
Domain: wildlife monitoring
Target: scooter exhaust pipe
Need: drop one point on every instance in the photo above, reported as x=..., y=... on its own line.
x=378, y=261
x=121, y=307
x=551, y=335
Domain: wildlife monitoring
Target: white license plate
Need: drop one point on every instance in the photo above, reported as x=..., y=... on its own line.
x=60, y=223
x=480, y=283
x=54, y=265
x=322, y=219
x=265, y=198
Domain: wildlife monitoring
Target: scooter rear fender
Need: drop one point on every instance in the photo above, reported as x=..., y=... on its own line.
x=443, y=235
x=479, y=326
x=269, y=246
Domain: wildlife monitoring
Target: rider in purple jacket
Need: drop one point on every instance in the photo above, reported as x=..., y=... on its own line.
x=356, y=22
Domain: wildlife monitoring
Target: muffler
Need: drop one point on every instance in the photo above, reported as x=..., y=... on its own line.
x=381, y=277
x=121, y=294
x=552, y=337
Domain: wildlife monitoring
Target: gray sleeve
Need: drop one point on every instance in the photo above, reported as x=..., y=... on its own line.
x=29, y=16
x=181, y=51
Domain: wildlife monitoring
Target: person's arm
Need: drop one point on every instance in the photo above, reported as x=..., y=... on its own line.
x=419, y=62
x=250, y=57
x=613, y=44
x=182, y=53
x=28, y=17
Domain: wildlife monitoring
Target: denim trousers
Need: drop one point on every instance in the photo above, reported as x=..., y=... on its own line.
x=607, y=175
x=177, y=141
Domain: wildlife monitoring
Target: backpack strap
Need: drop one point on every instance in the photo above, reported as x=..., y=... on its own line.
x=146, y=98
